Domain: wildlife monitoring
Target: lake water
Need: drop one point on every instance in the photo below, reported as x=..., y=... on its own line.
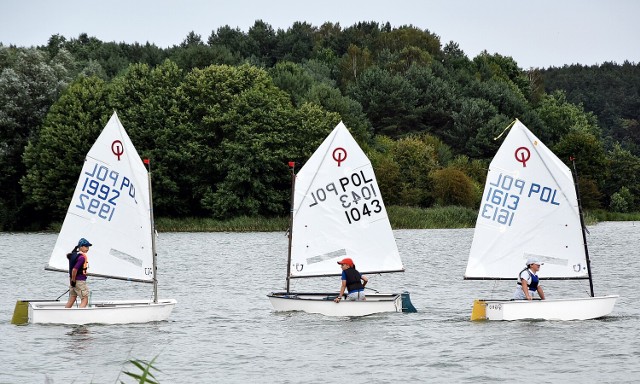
x=223, y=329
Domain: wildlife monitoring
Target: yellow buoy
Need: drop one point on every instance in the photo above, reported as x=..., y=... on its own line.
x=479, y=311
x=20, y=313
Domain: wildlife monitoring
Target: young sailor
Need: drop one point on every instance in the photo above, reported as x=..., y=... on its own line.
x=528, y=283
x=352, y=281
x=78, y=264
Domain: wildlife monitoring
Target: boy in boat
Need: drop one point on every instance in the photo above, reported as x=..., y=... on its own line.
x=78, y=264
x=352, y=281
x=528, y=283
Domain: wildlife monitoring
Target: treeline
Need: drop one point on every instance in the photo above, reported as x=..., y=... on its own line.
x=610, y=91
x=220, y=119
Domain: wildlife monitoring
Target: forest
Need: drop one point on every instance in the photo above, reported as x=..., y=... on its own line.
x=221, y=117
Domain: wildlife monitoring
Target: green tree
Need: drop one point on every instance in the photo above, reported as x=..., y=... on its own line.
x=147, y=104
x=55, y=158
x=30, y=82
x=559, y=117
x=244, y=130
x=452, y=187
x=416, y=160
x=296, y=43
x=388, y=100
x=622, y=200
x=623, y=172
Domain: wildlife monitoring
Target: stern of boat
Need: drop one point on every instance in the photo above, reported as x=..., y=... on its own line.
x=20, y=313
x=407, y=306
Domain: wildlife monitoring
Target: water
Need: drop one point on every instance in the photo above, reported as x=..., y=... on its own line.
x=224, y=330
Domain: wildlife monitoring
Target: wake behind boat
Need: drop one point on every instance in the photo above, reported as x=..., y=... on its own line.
x=112, y=205
x=337, y=212
x=531, y=209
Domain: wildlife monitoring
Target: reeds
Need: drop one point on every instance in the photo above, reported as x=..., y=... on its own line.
x=238, y=224
x=430, y=218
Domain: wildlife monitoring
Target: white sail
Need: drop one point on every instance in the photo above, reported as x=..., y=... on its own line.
x=529, y=209
x=339, y=212
x=110, y=208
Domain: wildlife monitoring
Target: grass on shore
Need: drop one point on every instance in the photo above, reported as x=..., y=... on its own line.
x=400, y=217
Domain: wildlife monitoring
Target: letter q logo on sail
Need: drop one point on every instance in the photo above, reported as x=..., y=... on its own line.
x=522, y=155
x=117, y=148
x=339, y=155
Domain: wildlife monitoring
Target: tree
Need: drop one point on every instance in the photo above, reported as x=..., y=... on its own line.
x=296, y=43
x=353, y=63
x=388, y=100
x=54, y=159
x=29, y=83
x=262, y=43
x=622, y=200
x=147, y=103
x=243, y=130
x=560, y=116
x=416, y=160
x=452, y=187
x=623, y=172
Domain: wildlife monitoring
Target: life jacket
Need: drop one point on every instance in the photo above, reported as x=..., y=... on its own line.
x=73, y=259
x=354, y=282
x=533, y=286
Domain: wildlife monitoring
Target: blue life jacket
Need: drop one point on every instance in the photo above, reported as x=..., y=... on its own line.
x=534, y=280
x=354, y=282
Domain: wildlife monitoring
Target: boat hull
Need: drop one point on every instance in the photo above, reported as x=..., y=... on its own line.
x=323, y=303
x=99, y=312
x=559, y=309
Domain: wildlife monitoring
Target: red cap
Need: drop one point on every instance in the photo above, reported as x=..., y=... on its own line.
x=347, y=261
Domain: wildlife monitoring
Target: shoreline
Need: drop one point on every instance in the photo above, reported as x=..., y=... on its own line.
x=400, y=217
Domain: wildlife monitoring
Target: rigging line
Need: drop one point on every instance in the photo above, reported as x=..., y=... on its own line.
x=505, y=130
x=493, y=290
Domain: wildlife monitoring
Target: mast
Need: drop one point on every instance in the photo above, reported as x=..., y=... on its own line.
x=153, y=235
x=583, y=227
x=292, y=166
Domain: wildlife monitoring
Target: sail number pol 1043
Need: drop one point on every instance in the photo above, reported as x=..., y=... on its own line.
x=101, y=189
x=356, y=193
x=503, y=196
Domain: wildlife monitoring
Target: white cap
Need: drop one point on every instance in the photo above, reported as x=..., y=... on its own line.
x=533, y=260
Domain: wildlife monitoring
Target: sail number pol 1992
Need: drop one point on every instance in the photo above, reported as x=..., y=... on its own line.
x=101, y=189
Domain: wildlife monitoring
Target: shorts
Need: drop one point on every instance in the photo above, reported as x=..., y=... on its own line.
x=519, y=294
x=81, y=289
x=356, y=296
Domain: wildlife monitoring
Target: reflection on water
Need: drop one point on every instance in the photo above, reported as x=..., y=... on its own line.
x=224, y=329
x=80, y=335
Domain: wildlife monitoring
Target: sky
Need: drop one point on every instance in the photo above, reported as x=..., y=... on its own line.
x=535, y=33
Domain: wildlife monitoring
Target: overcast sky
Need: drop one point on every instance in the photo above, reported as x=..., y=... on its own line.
x=536, y=33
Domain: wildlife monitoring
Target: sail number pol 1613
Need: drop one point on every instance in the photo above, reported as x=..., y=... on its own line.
x=503, y=196
x=101, y=189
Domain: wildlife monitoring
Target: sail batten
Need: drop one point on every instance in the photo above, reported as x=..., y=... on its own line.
x=110, y=207
x=338, y=212
x=528, y=208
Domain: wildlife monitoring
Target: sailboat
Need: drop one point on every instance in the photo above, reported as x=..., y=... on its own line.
x=112, y=206
x=337, y=212
x=530, y=208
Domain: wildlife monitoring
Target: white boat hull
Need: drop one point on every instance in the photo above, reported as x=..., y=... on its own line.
x=559, y=309
x=323, y=303
x=99, y=312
